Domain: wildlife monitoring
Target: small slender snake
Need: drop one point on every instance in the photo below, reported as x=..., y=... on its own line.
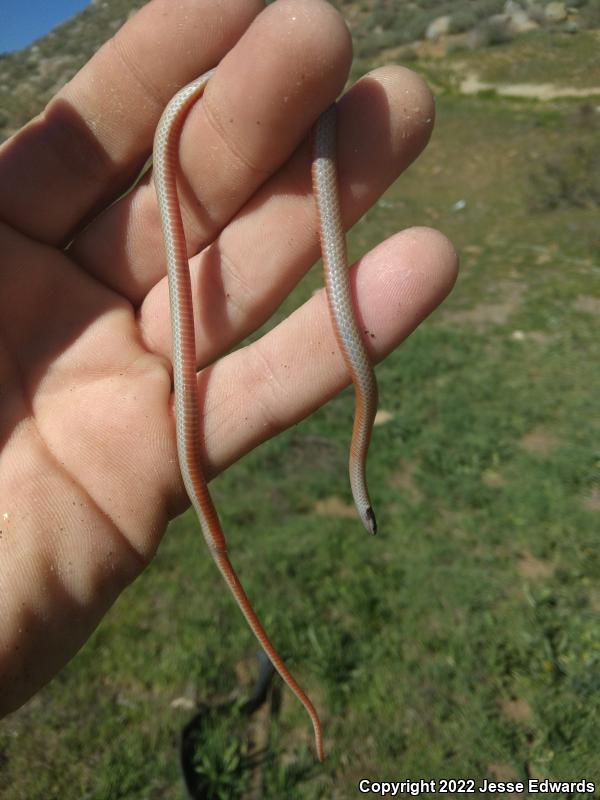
x=333, y=247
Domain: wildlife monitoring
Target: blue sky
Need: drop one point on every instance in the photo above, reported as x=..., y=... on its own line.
x=22, y=21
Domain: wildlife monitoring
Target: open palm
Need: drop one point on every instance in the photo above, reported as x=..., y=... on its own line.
x=88, y=466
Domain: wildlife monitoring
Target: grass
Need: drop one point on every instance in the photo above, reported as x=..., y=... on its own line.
x=464, y=641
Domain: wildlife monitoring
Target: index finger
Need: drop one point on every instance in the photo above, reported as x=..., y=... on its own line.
x=94, y=136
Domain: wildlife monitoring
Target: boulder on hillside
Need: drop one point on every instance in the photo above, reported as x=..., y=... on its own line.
x=519, y=18
x=519, y=22
x=535, y=11
x=555, y=12
x=438, y=27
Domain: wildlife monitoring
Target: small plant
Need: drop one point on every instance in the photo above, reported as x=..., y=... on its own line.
x=220, y=759
x=495, y=31
x=567, y=178
x=463, y=20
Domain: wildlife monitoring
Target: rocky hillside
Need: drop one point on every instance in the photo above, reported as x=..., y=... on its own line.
x=472, y=23
x=29, y=77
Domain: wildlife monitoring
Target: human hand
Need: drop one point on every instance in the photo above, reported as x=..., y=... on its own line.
x=89, y=476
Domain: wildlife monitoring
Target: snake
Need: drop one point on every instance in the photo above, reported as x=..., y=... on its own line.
x=350, y=342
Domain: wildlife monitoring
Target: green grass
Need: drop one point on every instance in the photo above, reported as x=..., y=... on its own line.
x=464, y=641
